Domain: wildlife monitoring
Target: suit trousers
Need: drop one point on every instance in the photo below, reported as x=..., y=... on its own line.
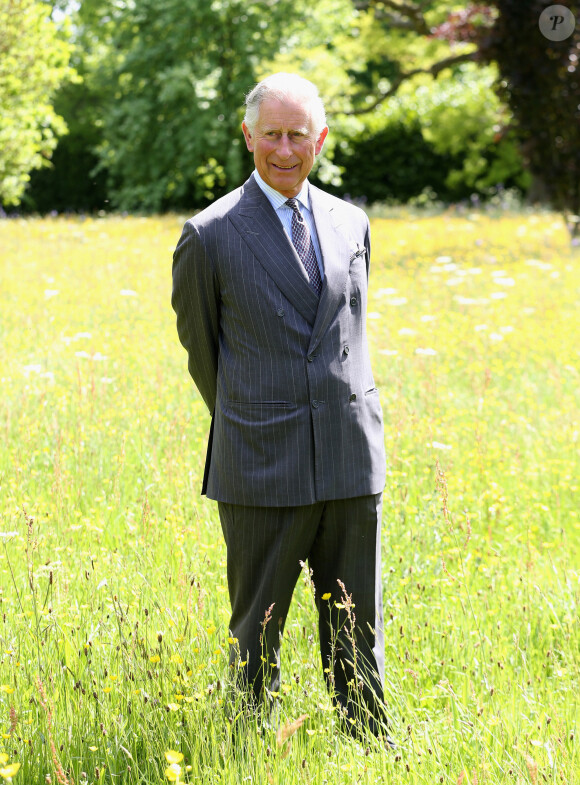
x=341, y=542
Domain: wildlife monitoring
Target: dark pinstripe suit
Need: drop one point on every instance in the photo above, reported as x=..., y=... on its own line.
x=297, y=422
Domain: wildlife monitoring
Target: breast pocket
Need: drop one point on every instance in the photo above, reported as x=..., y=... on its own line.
x=359, y=252
x=358, y=272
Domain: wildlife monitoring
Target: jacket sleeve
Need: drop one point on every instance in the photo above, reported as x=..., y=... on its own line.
x=195, y=300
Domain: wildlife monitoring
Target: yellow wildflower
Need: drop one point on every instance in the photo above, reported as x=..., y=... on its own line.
x=173, y=772
x=10, y=771
x=173, y=756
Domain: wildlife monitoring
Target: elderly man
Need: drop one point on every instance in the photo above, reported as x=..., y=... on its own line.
x=270, y=291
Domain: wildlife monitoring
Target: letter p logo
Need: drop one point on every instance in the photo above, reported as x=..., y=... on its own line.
x=557, y=22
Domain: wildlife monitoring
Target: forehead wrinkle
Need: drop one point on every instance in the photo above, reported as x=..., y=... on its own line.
x=285, y=129
x=283, y=117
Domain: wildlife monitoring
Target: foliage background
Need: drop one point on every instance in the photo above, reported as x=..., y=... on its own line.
x=150, y=94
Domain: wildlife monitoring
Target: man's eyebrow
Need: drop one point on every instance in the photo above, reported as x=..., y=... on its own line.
x=302, y=130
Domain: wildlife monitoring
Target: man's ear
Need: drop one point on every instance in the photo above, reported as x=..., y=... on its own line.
x=248, y=138
x=320, y=140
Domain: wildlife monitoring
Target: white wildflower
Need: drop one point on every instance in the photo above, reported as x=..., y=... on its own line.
x=440, y=446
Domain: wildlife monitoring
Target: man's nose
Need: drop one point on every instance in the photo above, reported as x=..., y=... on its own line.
x=284, y=148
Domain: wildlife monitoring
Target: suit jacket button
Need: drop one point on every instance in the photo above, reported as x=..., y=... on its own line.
x=315, y=404
x=353, y=301
x=346, y=350
x=352, y=397
x=280, y=312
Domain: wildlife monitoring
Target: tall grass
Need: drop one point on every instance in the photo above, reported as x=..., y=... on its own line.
x=114, y=607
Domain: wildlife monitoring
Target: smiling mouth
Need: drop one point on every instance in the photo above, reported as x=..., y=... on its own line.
x=285, y=168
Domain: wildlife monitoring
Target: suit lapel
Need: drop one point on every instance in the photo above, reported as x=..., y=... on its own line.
x=257, y=222
x=336, y=251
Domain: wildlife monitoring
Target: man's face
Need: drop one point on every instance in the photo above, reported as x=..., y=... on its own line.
x=284, y=144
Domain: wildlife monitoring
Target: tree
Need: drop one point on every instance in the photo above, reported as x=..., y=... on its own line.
x=174, y=76
x=395, y=88
x=34, y=62
x=540, y=81
x=412, y=49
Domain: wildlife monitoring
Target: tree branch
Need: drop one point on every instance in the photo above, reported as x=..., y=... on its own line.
x=405, y=16
x=434, y=69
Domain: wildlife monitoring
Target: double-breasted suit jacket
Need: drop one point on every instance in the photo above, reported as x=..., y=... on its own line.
x=296, y=416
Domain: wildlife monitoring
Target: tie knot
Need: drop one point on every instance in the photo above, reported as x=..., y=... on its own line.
x=293, y=204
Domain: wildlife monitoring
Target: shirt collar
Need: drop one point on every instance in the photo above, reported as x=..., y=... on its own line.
x=277, y=199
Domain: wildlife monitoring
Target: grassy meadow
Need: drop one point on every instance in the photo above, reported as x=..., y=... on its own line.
x=114, y=605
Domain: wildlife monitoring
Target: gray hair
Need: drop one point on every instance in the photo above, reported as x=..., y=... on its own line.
x=283, y=87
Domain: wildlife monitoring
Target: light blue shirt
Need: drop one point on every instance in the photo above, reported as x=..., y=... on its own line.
x=284, y=213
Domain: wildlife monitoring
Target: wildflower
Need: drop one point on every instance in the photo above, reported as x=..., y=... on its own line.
x=326, y=596
x=9, y=771
x=173, y=772
x=32, y=368
x=172, y=756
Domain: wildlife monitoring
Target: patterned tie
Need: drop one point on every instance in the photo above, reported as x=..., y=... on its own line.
x=304, y=247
